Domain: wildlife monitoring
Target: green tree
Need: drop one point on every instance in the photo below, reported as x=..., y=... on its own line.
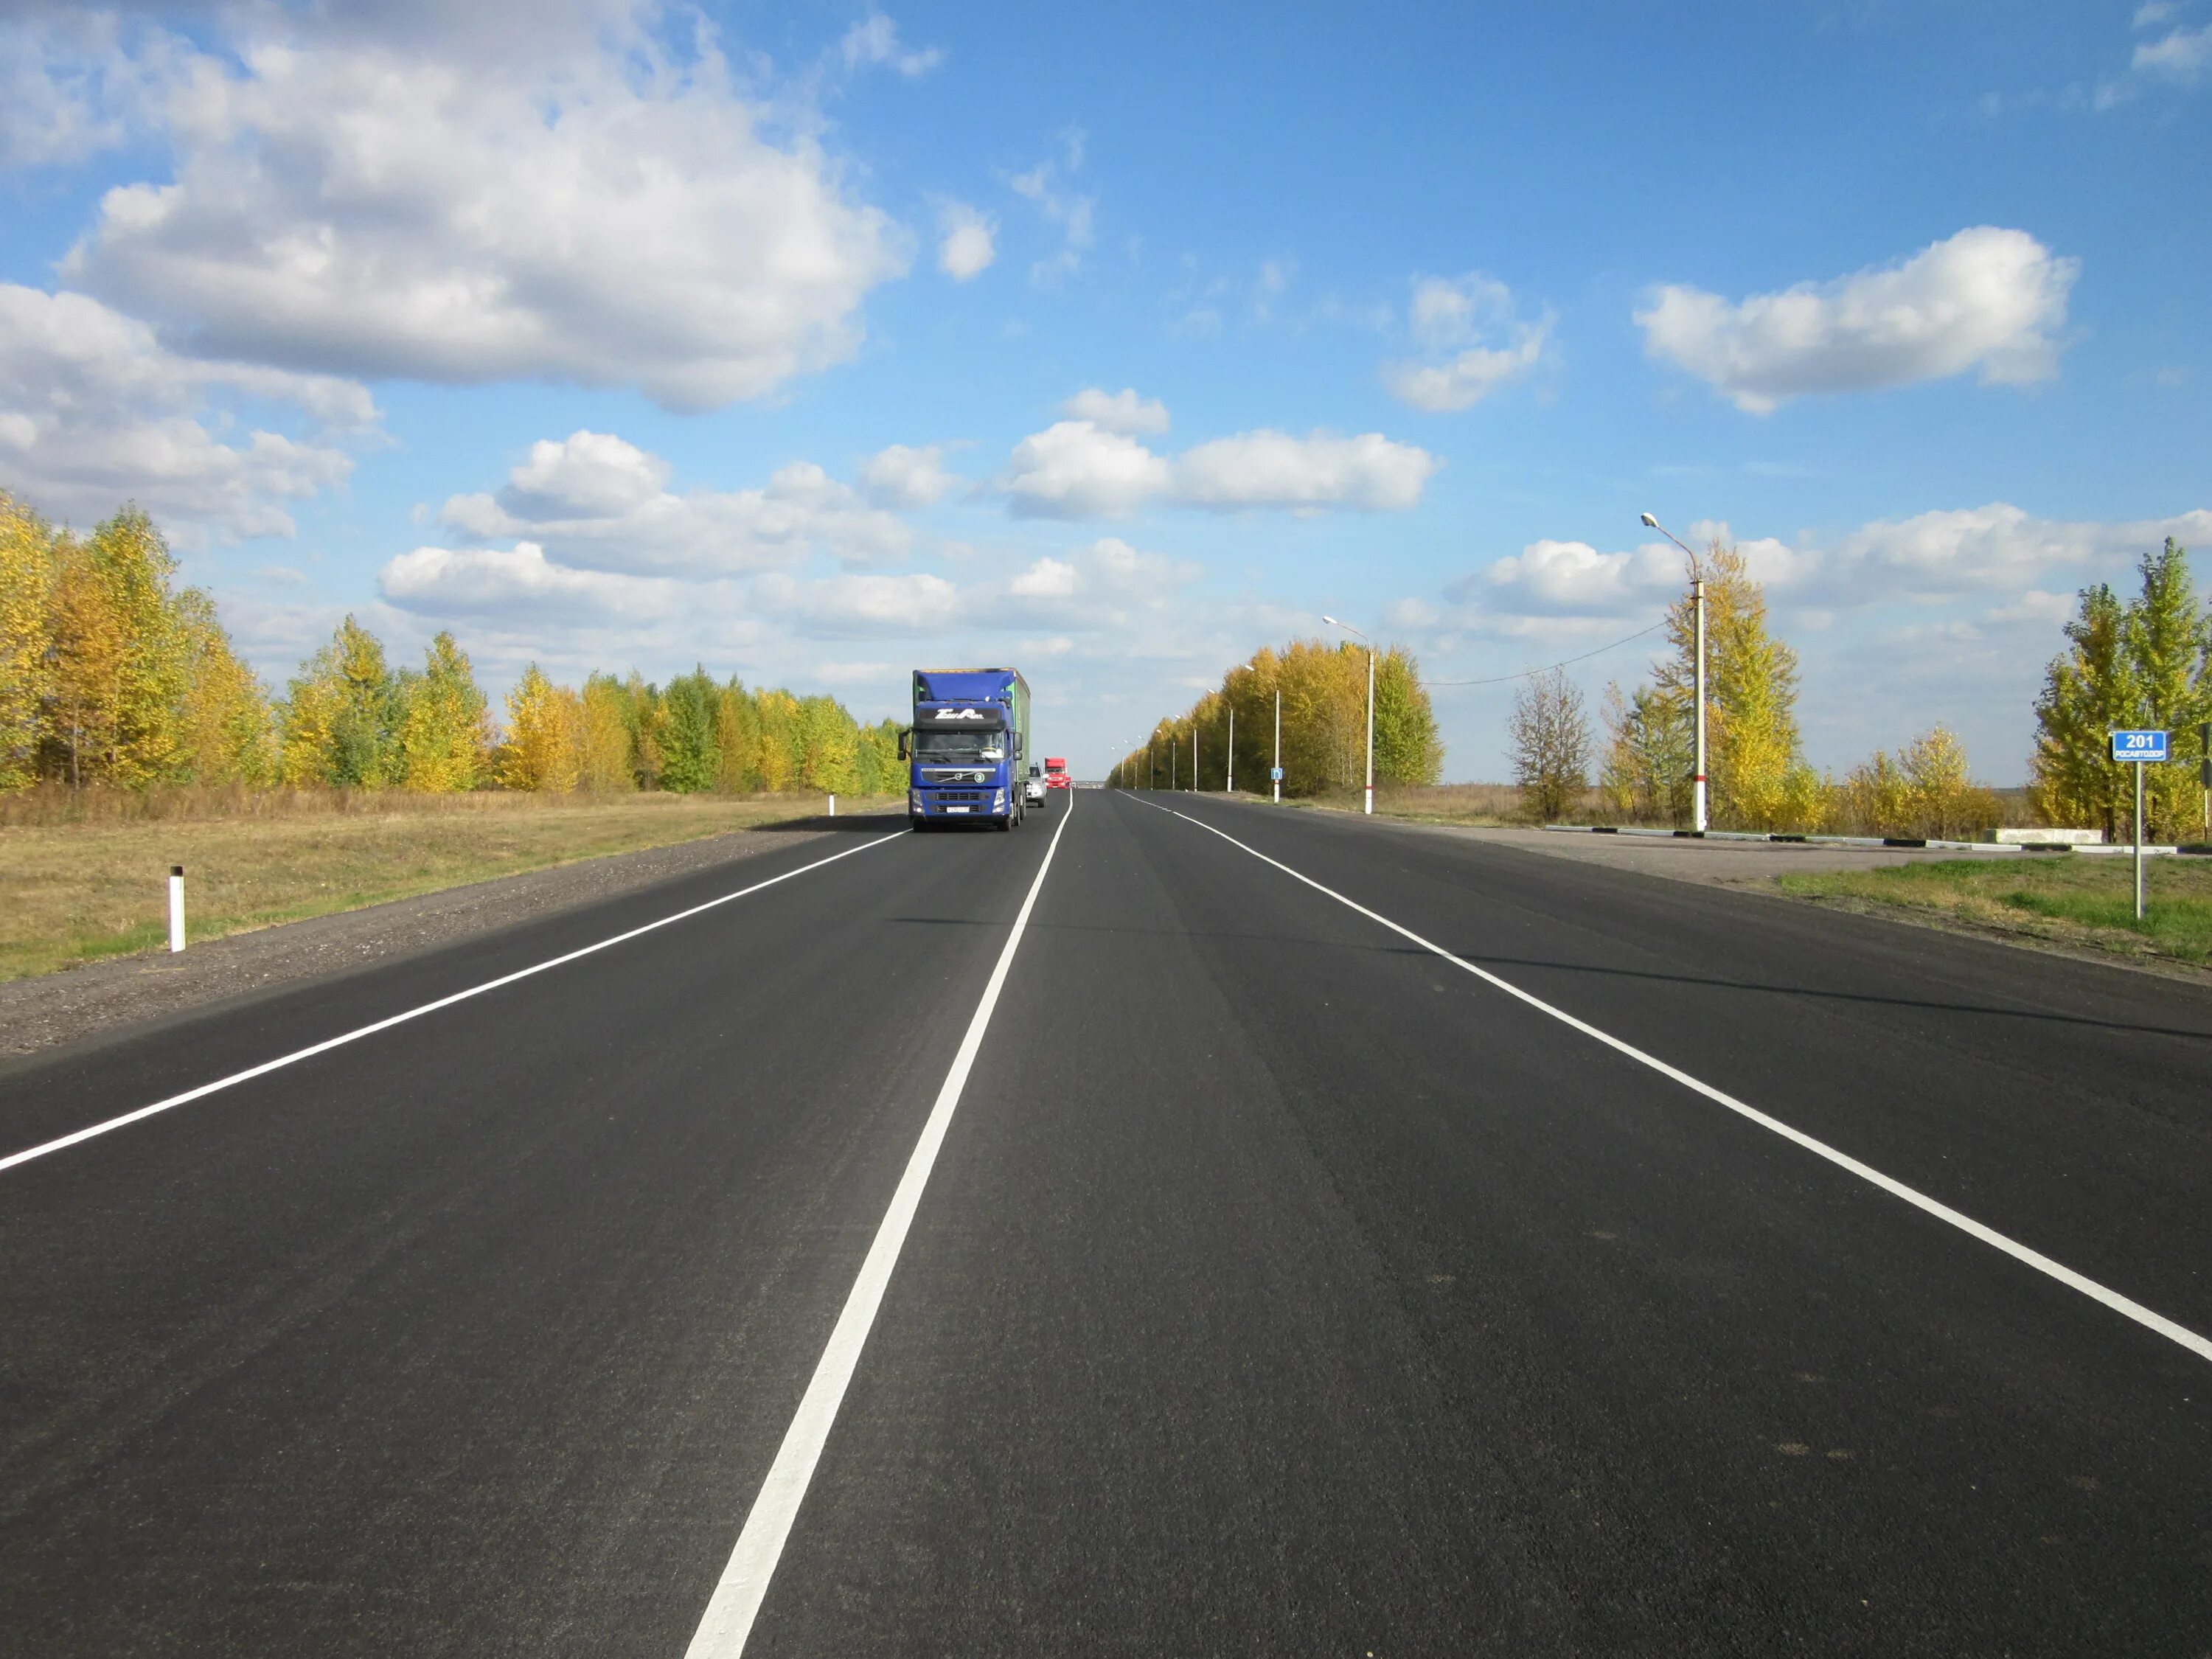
x=2141, y=663
x=341, y=715
x=1645, y=775
x=691, y=755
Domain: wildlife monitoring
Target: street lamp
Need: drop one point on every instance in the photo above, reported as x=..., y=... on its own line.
x=1349, y=629
x=1697, y=595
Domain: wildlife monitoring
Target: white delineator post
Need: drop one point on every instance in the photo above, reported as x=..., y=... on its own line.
x=1370, y=730
x=177, y=908
x=1698, y=777
x=1279, y=745
x=833, y=807
x=1228, y=785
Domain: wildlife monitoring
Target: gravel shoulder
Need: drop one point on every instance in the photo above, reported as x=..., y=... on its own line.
x=76, y=1003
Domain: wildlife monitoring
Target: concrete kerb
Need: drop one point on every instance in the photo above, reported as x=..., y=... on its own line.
x=2185, y=849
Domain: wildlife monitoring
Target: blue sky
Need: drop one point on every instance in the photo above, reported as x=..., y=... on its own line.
x=815, y=342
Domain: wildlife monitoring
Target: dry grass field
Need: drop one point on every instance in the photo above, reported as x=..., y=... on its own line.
x=88, y=878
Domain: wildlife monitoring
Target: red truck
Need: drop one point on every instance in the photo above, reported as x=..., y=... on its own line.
x=1056, y=772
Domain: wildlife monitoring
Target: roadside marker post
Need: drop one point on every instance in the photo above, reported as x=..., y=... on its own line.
x=2139, y=748
x=1277, y=767
x=176, y=909
x=833, y=807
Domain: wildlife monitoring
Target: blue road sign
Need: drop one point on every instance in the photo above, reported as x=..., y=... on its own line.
x=2138, y=745
x=1275, y=773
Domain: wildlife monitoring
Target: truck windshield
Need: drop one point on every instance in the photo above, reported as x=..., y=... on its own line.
x=960, y=745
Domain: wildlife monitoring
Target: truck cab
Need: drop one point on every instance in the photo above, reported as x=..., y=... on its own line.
x=1055, y=772
x=966, y=749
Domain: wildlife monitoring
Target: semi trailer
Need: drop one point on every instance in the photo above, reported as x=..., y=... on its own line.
x=966, y=748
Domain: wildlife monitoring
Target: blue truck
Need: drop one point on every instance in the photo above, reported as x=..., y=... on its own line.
x=967, y=748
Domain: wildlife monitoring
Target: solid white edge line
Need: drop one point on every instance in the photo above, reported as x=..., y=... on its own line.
x=328, y=1043
x=2181, y=1335
x=728, y=1621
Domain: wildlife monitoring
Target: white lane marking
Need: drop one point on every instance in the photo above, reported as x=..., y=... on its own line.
x=2201, y=1346
x=736, y=1602
x=328, y=1043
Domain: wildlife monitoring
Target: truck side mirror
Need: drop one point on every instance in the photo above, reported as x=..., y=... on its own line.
x=902, y=753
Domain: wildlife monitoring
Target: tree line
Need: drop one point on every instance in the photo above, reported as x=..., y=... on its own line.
x=2145, y=661
x=1324, y=708
x=110, y=674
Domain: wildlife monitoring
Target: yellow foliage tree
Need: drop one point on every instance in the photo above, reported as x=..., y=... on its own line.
x=445, y=734
x=1758, y=779
x=228, y=734
x=544, y=722
x=26, y=591
x=604, y=752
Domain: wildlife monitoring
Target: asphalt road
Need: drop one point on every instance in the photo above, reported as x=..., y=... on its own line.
x=1279, y=1285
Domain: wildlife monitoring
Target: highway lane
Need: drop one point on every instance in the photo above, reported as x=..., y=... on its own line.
x=474, y=1336
x=1323, y=1299
x=1279, y=1287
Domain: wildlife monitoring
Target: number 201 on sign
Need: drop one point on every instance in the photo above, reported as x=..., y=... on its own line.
x=2138, y=745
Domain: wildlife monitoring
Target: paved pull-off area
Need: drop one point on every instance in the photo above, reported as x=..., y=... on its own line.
x=1178, y=1227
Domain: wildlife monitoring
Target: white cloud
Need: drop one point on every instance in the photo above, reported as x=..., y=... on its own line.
x=874, y=40
x=1273, y=469
x=551, y=196
x=1121, y=412
x=93, y=411
x=75, y=82
x=905, y=476
x=520, y=583
x=1987, y=298
x=2182, y=56
x=585, y=475
x=1930, y=559
x=1077, y=469
x=1072, y=214
x=1998, y=547
x=2153, y=12
x=598, y=502
x=840, y=606
x=1103, y=586
x=1453, y=320
x=967, y=245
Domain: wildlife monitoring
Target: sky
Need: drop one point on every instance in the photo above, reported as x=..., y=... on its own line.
x=815, y=344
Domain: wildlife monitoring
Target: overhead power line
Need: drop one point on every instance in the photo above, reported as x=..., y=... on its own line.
x=1501, y=679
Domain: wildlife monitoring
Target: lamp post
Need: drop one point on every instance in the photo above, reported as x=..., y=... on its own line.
x=1697, y=821
x=1349, y=629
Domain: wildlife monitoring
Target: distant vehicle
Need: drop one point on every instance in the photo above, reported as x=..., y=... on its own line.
x=1055, y=772
x=970, y=735
x=1033, y=787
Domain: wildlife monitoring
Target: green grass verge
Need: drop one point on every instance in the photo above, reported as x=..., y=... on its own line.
x=71, y=893
x=2069, y=899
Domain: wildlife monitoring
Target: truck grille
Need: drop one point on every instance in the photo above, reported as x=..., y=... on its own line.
x=956, y=794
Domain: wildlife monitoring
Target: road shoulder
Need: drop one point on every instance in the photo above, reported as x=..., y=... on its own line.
x=38, y=1016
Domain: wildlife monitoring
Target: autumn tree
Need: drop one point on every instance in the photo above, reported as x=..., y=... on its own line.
x=2137, y=662
x=606, y=750
x=27, y=666
x=341, y=715
x=543, y=722
x=1549, y=731
x=445, y=734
